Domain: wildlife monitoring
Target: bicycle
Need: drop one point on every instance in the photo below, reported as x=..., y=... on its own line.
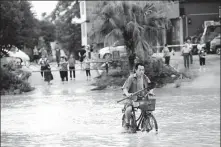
x=146, y=121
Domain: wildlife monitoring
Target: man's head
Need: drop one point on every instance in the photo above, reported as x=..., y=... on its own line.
x=139, y=69
x=188, y=40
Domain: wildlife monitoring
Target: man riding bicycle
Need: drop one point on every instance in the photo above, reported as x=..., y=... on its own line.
x=134, y=83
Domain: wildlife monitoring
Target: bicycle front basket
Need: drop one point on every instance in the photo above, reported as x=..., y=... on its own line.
x=147, y=105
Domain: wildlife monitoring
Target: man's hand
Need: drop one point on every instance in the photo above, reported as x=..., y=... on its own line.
x=151, y=92
x=129, y=94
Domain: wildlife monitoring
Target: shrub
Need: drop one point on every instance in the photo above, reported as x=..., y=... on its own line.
x=10, y=81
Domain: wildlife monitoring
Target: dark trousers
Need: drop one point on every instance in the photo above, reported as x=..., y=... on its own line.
x=167, y=60
x=58, y=60
x=186, y=60
x=35, y=58
x=88, y=72
x=64, y=74
x=106, y=69
x=191, y=58
x=42, y=70
x=202, y=61
x=72, y=70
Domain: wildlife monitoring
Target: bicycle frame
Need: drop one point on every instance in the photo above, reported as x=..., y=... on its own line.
x=143, y=114
x=144, y=120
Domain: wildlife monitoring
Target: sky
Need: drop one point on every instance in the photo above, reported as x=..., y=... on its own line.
x=40, y=7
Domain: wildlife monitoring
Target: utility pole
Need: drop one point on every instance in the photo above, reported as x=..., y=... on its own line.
x=220, y=14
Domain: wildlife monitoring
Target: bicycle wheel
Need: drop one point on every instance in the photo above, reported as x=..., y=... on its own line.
x=123, y=120
x=149, y=123
x=132, y=123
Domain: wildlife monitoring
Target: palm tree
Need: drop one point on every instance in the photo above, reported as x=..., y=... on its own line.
x=139, y=25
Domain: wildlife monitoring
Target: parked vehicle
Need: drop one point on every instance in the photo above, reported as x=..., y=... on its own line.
x=215, y=45
x=107, y=52
x=19, y=56
x=211, y=31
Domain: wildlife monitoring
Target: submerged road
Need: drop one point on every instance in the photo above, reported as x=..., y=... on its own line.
x=71, y=115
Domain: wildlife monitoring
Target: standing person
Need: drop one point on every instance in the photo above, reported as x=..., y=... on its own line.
x=87, y=68
x=81, y=54
x=185, y=53
x=44, y=52
x=36, y=54
x=42, y=62
x=58, y=55
x=134, y=83
x=71, y=63
x=189, y=45
x=106, y=66
x=48, y=75
x=166, y=55
x=63, y=69
x=202, y=58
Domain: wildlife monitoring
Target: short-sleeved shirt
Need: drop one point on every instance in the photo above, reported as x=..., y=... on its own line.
x=71, y=62
x=133, y=85
x=187, y=48
x=87, y=65
x=42, y=61
x=58, y=53
x=202, y=54
x=35, y=51
x=64, y=66
x=166, y=52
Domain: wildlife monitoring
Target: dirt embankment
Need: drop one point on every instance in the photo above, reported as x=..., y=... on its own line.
x=163, y=75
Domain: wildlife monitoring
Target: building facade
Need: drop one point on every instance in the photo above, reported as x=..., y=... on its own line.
x=194, y=14
x=87, y=13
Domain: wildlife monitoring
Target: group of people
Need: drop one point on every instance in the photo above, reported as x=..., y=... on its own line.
x=65, y=64
x=39, y=53
x=187, y=53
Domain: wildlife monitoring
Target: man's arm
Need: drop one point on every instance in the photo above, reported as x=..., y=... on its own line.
x=126, y=87
x=39, y=62
x=182, y=50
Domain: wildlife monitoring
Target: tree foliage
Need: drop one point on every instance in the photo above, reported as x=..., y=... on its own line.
x=67, y=33
x=20, y=28
x=138, y=24
x=18, y=25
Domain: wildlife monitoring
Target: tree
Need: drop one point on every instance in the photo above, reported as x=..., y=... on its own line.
x=138, y=24
x=47, y=32
x=18, y=25
x=68, y=34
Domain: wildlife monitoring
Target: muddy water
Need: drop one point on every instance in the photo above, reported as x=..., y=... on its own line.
x=79, y=117
x=71, y=115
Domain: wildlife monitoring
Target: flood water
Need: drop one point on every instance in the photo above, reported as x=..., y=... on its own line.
x=71, y=115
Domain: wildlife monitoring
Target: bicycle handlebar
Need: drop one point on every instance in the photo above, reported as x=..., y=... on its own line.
x=132, y=95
